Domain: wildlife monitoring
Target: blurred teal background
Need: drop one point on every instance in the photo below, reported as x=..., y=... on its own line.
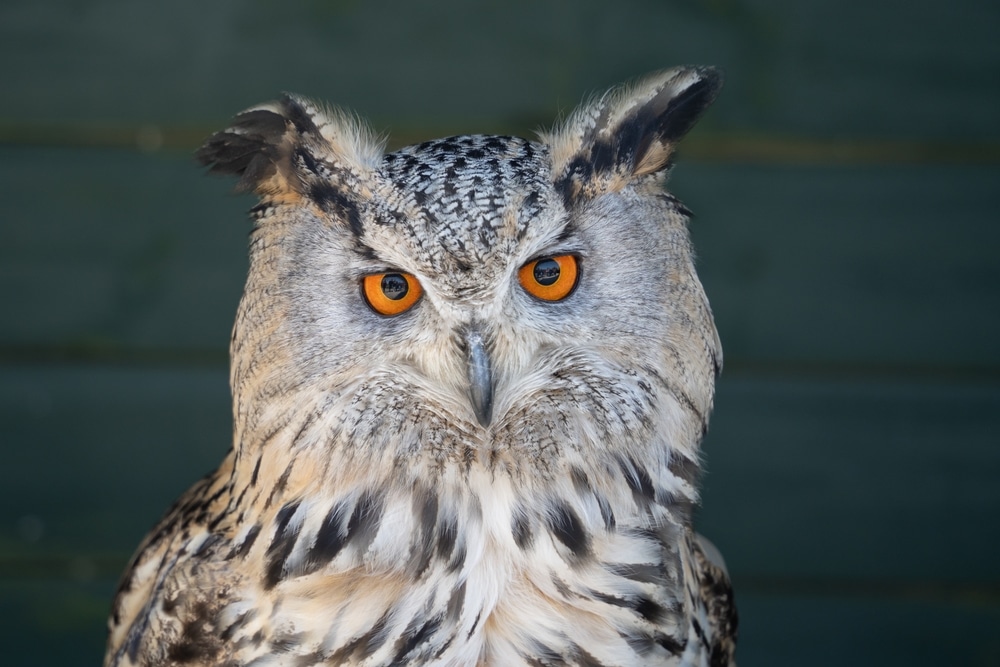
x=846, y=187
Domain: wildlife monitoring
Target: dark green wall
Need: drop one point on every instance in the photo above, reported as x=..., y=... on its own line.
x=846, y=187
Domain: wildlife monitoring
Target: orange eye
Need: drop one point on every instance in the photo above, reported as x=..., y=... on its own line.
x=549, y=278
x=391, y=293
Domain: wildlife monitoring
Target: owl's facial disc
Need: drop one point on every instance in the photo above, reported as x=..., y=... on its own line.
x=480, y=374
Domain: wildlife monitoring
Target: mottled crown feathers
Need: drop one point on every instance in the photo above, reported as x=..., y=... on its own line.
x=280, y=150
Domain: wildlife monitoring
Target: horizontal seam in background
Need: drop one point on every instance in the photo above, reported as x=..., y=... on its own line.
x=708, y=147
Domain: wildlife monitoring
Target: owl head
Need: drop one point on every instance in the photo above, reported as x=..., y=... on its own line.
x=528, y=306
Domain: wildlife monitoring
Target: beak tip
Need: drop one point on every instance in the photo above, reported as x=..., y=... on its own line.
x=484, y=414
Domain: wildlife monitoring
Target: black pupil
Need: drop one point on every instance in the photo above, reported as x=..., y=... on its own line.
x=546, y=271
x=394, y=286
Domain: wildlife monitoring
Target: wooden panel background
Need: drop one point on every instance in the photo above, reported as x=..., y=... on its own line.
x=846, y=192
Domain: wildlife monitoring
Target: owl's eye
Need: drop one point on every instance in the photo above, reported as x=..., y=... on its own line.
x=391, y=293
x=549, y=278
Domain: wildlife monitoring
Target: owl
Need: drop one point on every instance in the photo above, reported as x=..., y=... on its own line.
x=470, y=379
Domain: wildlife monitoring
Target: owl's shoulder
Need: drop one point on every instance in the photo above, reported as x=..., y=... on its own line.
x=715, y=621
x=145, y=604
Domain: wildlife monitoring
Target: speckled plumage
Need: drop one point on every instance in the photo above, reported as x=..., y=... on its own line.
x=375, y=509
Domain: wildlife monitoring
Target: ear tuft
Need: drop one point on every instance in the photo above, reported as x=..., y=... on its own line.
x=250, y=147
x=630, y=132
x=279, y=150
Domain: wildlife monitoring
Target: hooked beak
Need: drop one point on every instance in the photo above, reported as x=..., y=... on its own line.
x=480, y=375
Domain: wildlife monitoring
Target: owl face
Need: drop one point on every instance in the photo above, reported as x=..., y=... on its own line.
x=476, y=298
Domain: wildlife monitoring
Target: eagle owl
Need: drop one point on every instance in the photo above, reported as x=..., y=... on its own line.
x=470, y=379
